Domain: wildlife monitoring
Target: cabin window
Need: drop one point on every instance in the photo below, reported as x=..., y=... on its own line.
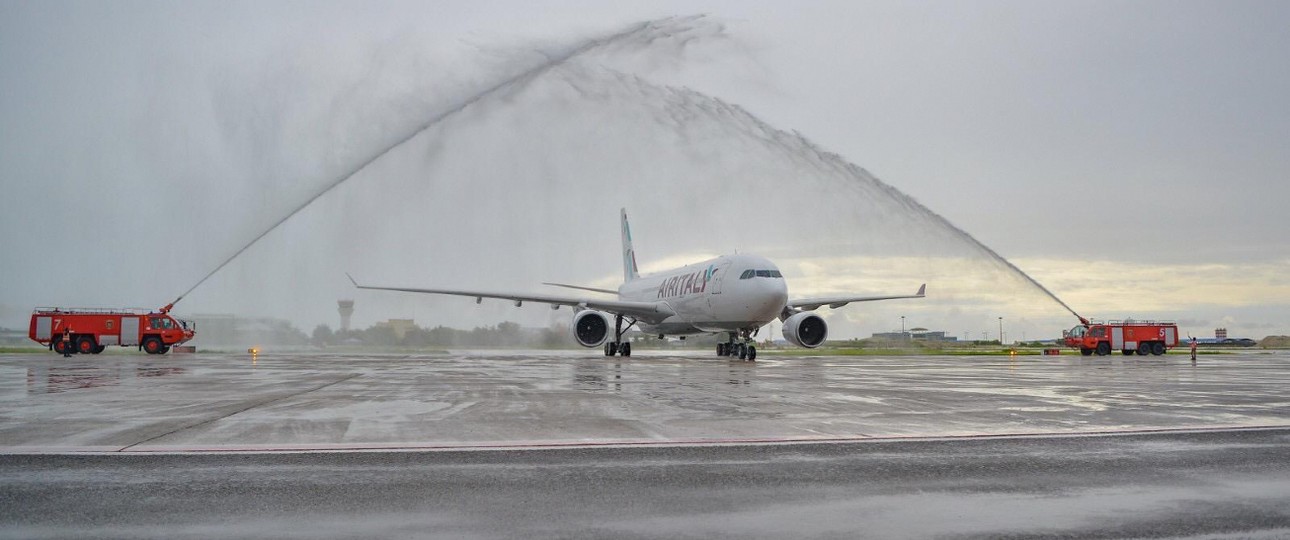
x=748, y=274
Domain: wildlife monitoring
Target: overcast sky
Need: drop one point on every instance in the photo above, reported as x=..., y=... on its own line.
x=1129, y=155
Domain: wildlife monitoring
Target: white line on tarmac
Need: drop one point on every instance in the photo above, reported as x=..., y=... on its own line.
x=570, y=445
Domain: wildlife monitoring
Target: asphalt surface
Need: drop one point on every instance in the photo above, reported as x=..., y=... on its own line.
x=137, y=403
x=1230, y=484
x=568, y=445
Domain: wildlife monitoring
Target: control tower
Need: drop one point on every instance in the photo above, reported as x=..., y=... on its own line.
x=346, y=309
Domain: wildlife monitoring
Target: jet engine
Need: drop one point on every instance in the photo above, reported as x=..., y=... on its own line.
x=805, y=329
x=590, y=328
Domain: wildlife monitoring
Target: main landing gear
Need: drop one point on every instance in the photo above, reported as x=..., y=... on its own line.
x=744, y=350
x=618, y=346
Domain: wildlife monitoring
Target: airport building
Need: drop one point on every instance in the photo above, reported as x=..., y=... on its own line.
x=346, y=309
x=400, y=327
x=226, y=330
x=915, y=334
x=13, y=337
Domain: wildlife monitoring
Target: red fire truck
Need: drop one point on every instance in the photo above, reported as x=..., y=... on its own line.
x=1142, y=337
x=90, y=330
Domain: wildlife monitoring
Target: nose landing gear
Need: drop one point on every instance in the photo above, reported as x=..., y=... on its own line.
x=744, y=349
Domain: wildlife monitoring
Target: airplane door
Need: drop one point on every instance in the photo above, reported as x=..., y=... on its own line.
x=718, y=273
x=717, y=307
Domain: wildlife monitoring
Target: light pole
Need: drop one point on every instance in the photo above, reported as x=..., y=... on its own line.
x=902, y=327
x=1001, y=330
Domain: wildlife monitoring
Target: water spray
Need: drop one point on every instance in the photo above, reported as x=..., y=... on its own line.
x=790, y=143
x=648, y=32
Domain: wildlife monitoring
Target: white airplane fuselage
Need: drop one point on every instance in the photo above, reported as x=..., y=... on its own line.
x=716, y=295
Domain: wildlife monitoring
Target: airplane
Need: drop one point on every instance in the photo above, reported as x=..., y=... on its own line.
x=735, y=294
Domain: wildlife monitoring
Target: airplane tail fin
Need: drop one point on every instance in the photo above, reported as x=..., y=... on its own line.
x=629, y=255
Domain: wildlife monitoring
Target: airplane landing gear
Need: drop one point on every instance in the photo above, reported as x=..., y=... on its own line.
x=617, y=346
x=743, y=349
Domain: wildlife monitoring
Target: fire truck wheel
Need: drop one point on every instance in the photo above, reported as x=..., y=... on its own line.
x=164, y=350
x=1157, y=348
x=1144, y=348
x=85, y=345
x=152, y=345
x=1103, y=348
x=59, y=346
x=1085, y=351
x=99, y=349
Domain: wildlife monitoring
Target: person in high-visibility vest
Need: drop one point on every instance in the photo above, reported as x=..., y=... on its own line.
x=1193, y=349
x=67, y=342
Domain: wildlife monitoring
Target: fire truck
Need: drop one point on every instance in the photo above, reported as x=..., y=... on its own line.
x=91, y=330
x=1142, y=337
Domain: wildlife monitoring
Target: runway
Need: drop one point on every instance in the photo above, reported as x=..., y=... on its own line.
x=576, y=445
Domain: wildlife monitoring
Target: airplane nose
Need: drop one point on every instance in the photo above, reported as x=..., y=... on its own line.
x=777, y=291
x=776, y=294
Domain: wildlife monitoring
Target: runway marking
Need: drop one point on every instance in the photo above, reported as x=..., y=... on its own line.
x=570, y=445
x=253, y=405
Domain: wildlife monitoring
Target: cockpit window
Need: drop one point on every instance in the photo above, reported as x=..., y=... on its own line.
x=749, y=274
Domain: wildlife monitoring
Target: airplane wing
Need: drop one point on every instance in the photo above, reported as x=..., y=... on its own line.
x=811, y=304
x=580, y=287
x=650, y=312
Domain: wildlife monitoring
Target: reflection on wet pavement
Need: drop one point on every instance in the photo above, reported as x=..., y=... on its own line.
x=574, y=397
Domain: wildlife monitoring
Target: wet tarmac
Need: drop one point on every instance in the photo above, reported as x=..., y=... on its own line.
x=134, y=403
x=1230, y=484
x=572, y=444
